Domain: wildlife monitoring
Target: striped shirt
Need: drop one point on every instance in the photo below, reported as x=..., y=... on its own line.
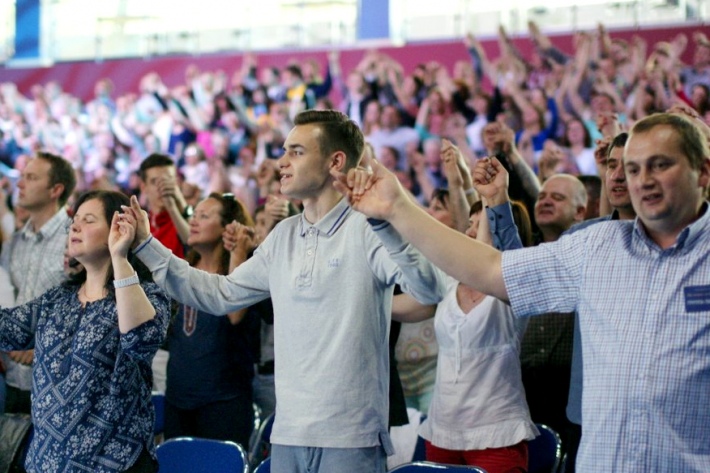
x=35, y=261
x=645, y=323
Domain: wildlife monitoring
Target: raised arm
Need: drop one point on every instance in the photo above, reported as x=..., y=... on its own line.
x=460, y=185
x=213, y=293
x=239, y=240
x=132, y=304
x=407, y=309
x=175, y=204
x=379, y=195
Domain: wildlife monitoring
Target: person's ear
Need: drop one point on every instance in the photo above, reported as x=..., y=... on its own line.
x=338, y=161
x=56, y=191
x=704, y=174
x=580, y=214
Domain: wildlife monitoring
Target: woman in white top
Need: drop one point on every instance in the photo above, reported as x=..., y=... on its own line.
x=579, y=145
x=478, y=414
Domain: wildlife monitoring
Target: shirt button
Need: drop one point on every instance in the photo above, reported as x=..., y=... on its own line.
x=309, y=252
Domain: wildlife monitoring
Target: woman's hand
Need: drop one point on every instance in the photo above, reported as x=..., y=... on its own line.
x=121, y=234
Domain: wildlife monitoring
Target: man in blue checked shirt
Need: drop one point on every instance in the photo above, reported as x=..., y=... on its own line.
x=641, y=288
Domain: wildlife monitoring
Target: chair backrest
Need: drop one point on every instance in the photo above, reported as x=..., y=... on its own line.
x=430, y=467
x=264, y=467
x=544, y=451
x=198, y=455
x=420, y=448
x=16, y=434
x=158, y=399
x=261, y=446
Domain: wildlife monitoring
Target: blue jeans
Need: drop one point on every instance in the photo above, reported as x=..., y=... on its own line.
x=288, y=459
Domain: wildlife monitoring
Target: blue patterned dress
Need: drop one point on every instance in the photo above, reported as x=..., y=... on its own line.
x=91, y=404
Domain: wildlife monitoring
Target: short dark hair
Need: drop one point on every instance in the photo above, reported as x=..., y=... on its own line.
x=619, y=141
x=338, y=133
x=60, y=172
x=155, y=160
x=295, y=70
x=690, y=140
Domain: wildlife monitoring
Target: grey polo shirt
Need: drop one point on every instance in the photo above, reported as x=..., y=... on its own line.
x=331, y=285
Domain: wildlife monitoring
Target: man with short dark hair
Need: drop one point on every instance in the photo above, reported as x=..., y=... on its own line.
x=330, y=275
x=159, y=184
x=34, y=256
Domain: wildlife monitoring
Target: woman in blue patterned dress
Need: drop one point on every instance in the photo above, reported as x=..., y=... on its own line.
x=94, y=339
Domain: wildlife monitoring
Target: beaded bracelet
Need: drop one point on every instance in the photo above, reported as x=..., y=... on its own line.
x=129, y=281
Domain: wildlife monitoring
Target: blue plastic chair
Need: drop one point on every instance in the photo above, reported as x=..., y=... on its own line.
x=545, y=451
x=264, y=467
x=196, y=455
x=429, y=467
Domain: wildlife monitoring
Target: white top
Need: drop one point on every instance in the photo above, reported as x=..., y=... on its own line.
x=7, y=291
x=586, y=164
x=479, y=399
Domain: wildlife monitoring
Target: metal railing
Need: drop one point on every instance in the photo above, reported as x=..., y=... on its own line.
x=90, y=30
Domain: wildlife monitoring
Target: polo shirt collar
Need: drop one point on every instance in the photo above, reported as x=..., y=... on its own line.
x=331, y=222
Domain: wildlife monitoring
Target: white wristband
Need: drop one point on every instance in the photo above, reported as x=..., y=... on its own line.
x=129, y=281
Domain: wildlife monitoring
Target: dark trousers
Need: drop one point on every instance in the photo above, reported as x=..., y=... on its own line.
x=144, y=464
x=17, y=401
x=546, y=390
x=232, y=419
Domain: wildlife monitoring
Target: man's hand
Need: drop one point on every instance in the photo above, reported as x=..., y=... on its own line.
x=491, y=181
x=600, y=154
x=140, y=220
x=375, y=194
x=275, y=209
x=450, y=157
x=238, y=240
x=608, y=124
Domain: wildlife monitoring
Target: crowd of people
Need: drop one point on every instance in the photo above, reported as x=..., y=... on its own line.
x=281, y=288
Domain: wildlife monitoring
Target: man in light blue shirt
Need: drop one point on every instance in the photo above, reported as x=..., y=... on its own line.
x=640, y=287
x=330, y=275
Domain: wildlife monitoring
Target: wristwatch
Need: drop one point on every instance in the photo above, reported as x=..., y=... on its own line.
x=187, y=212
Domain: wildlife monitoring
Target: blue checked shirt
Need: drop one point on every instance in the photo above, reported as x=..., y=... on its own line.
x=645, y=325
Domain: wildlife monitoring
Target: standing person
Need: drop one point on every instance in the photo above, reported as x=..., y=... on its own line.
x=644, y=325
x=157, y=171
x=478, y=414
x=210, y=368
x=94, y=338
x=34, y=255
x=330, y=275
x=617, y=193
x=546, y=347
x=166, y=204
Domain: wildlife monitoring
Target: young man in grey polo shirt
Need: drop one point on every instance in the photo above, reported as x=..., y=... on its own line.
x=330, y=275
